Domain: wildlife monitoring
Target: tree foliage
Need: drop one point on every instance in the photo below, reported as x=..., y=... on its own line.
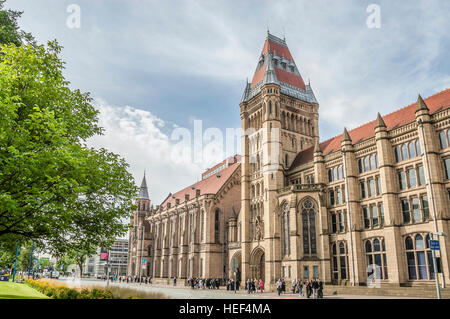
x=53, y=187
x=10, y=32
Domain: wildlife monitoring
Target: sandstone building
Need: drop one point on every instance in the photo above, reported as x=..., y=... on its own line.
x=359, y=205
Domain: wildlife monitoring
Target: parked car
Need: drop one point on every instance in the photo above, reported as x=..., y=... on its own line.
x=54, y=274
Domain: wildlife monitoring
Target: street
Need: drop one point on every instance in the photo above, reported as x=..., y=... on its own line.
x=181, y=292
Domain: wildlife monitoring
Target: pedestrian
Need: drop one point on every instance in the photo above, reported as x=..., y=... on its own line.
x=283, y=285
x=261, y=286
x=294, y=286
x=315, y=287
x=300, y=288
x=320, y=289
x=279, y=286
x=308, y=288
x=174, y=281
x=249, y=285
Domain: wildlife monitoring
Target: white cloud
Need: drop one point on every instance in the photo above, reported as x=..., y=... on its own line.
x=137, y=135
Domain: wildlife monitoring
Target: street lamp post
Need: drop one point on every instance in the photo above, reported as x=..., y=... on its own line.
x=433, y=253
x=235, y=282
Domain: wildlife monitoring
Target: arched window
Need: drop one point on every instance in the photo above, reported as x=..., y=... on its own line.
x=419, y=151
x=340, y=175
x=285, y=226
x=373, y=165
x=376, y=262
x=366, y=164
x=309, y=227
x=412, y=150
x=335, y=174
x=340, y=261
x=419, y=257
x=377, y=164
x=270, y=107
x=330, y=175
x=404, y=152
x=253, y=191
x=217, y=226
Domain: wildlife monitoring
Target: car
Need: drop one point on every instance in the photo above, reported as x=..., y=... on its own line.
x=54, y=274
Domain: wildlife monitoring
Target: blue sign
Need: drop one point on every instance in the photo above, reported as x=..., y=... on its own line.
x=434, y=244
x=144, y=261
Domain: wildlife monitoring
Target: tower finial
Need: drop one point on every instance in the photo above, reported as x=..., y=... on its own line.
x=421, y=105
x=379, y=122
x=346, y=136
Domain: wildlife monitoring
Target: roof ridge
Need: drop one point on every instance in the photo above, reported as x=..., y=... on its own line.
x=399, y=109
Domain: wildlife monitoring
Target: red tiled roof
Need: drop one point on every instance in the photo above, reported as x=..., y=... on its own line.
x=405, y=115
x=210, y=185
x=258, y=76
x=290, y=78
x=278, y=49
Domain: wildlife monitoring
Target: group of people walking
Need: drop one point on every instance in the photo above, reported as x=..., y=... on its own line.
x=203, y=283
x=313, y=287
x=254, y=285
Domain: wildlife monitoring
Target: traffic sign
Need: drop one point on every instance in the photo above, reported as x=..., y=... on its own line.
x=434, y=245
x=144, y=261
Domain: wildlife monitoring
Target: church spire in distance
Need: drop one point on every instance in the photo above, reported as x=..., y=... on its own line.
x=143, y=192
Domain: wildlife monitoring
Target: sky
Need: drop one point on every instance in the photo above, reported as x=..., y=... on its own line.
x=154, y=67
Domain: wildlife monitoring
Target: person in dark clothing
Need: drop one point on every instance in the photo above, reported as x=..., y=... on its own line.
x=315, y=287
x=320, y=291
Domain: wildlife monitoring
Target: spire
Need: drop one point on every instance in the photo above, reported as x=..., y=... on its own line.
x=143, y=192
x=380, y=122
x=420, y=105
x=346, y=136
x=246, y=92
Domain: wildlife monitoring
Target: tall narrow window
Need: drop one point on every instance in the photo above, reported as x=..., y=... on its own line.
x=341, y=222
x=373, y=165
x=402, y=180
x=421, y=175
x=286, y=229
x=332, y=202
x=360, y=166
x=447, y=168
x=363, y=189
x=375, y=216
x=405, y=211
x=309, y=228
x=381, y=209
x=419, y=151
x=339, y=195
x=217, y=227
x=412, y=150
x=416, y=212
x=380, y=191
x=443, y=139
x=333, y=223
x=372, y=190
x=404, y=152
x=366, y=164
x=366, y=217
x=412, y=177
x=426, y=211
x=270, y=107
x=397, y=154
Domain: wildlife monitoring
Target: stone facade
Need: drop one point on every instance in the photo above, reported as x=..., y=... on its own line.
x=357, y=206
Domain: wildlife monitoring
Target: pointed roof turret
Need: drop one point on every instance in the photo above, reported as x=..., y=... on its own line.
x=276, y=65
x=379, y=122
x=143, y=192
x=420, y=105
x=346, y=136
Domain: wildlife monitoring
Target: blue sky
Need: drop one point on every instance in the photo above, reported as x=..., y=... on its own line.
x=156, y=65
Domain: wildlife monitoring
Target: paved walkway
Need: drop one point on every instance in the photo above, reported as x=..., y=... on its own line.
x=181, y=292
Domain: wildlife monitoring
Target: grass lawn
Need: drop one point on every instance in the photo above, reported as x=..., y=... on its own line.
x=12, y=290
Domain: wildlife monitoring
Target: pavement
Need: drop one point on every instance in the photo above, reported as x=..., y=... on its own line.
x=182, y=292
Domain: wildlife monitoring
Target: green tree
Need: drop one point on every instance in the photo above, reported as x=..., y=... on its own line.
x=53, y=187
x=10, y=32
